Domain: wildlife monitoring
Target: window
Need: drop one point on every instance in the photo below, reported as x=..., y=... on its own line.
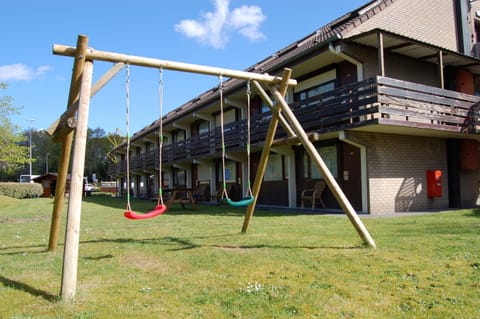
x=230, y=171
x=329, y=156
x=179, y=177
x=315, y=86
x=229, y=116
x=314, y=91
x=178, y=136
x=149, y=146
x=165, y=140
x=203, y=127
x=265, y=107
x=275, y=168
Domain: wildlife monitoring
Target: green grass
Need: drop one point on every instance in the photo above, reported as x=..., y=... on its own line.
x=196, y=264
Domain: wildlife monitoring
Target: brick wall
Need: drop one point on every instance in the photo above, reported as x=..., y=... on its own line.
x=397, y=166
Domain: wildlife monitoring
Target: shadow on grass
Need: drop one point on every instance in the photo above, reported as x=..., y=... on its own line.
x=202, y=208
x=24, y=250
x=186, y=244
x=475, y=213
x=14, y=284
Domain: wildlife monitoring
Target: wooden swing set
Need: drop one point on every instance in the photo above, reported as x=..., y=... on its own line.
x=75, y=119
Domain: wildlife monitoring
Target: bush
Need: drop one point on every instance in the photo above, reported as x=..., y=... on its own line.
x=21, y=190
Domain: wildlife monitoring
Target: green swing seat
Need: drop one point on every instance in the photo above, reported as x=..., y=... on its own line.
x=243, y=202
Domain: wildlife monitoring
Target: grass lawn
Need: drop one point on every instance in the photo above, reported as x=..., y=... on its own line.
x=197, y=264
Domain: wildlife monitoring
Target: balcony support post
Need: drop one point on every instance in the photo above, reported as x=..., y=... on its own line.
x=440, y=69
x=381, y=54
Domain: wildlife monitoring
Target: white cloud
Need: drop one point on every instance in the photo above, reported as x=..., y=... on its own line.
x=21, y=72
x=247, y=20
x=213, y=28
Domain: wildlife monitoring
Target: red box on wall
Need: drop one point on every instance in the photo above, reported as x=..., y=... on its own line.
x=434, y=183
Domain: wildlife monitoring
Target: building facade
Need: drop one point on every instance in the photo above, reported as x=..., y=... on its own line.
x=387, y=93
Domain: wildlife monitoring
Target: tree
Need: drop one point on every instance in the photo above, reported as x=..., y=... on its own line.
x=96, y=160
x=12, y=154
x=44, y=152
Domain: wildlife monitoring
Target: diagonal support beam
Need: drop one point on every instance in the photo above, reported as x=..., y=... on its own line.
x=60, y=189
x=66, y=122
x=329, y=179
x=267, y=146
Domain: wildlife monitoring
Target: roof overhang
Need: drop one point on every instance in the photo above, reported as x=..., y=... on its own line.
x=395, y=43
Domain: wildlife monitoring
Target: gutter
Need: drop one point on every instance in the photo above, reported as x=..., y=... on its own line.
x=343, y=136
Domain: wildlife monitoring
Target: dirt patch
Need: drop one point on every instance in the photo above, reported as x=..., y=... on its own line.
x=23, y=220
x=145, y=263
x=235, y=248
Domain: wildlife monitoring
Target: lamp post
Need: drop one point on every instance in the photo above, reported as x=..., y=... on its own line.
x=30, y=144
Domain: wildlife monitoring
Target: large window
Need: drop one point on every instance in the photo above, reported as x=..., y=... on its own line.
x=316, y=90
x=315, y=86
x=275, y=170
x=329, y=156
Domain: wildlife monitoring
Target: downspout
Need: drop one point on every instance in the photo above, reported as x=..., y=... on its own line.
x=462, y=8
x=337, y=51
x=342, y=136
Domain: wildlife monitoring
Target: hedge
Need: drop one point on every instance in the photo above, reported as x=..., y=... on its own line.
x=21, y=190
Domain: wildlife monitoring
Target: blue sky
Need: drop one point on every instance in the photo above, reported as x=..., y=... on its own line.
x=231, y=34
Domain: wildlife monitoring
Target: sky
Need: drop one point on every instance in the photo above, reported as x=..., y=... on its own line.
x=231, y=34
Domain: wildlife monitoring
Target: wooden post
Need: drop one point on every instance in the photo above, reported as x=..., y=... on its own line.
x=82, y=44
x=441, y=79
x=381, y=55
x=329, y=179
x=72, y=235
x=262, y=165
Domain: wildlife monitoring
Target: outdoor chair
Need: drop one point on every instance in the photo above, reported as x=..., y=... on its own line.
x=314, y=194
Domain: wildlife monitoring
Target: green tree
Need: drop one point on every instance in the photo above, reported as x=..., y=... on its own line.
x=96, y=159
x=44, y=152
x=12, y=154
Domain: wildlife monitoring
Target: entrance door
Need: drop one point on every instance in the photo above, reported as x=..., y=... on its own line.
x=351, y=175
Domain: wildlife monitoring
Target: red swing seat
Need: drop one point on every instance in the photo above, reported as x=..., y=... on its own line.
x=158, y=210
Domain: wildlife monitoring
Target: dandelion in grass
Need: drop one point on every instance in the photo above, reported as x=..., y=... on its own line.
x=252, y=288
x=146, y=290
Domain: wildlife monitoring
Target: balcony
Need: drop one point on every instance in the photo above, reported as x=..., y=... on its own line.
x=377, y=104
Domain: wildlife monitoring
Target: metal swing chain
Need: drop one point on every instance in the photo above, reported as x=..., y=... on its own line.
x=160, y=140
x=127, y=118
x=220, y=88
x=250, y=193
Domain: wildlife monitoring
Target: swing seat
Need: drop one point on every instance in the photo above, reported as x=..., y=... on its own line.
x=243, y=202
x=158, y=210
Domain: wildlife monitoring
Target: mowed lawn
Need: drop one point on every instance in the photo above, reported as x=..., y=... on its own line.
x=197, y=264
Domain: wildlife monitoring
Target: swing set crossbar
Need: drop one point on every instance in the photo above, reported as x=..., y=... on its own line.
x=105, y=56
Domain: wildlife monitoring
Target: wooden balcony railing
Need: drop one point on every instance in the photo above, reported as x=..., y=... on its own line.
x=376, y=101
